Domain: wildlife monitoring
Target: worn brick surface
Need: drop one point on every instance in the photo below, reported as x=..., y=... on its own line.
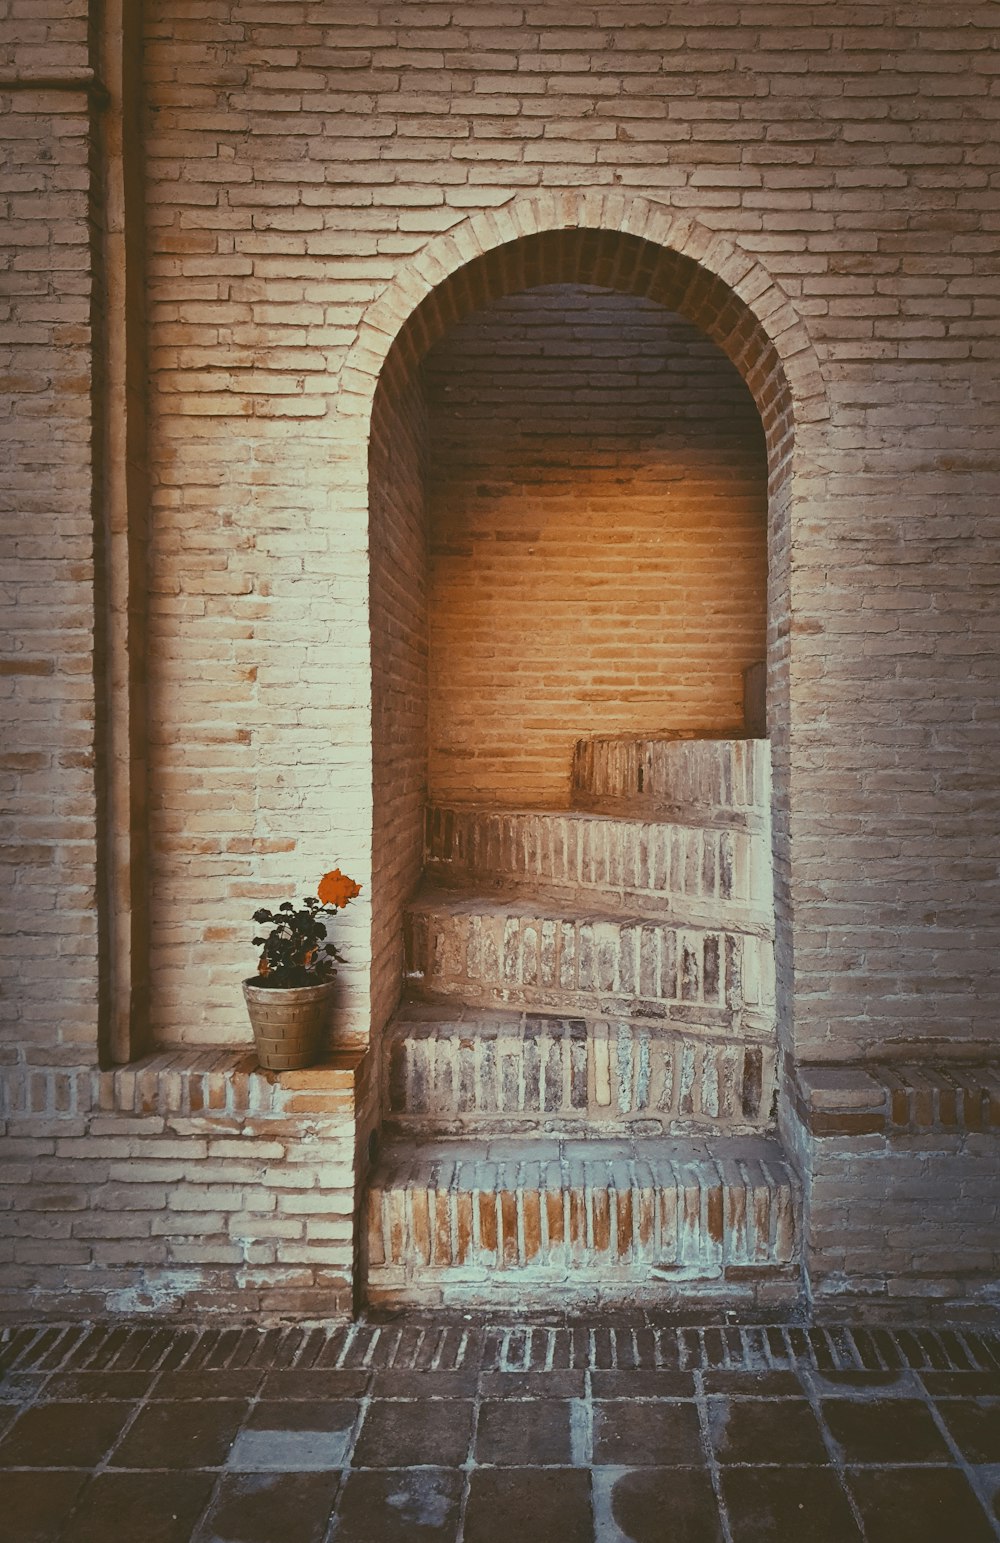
x=473, y=1222
x=449, y=1071
x=457, y=1427
x=183, y=1188
x=598, y=486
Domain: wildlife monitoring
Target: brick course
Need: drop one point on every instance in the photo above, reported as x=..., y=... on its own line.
x=183, y=1185
x=597, y=526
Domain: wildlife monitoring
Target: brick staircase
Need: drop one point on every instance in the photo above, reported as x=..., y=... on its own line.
x=578, y=1091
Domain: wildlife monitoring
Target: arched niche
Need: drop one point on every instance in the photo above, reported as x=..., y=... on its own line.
x=703, y=281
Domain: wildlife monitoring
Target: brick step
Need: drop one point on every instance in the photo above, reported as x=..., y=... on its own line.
x=717, y=781
x=535, y=1221
x=712, y=875
x=487, y=1071
x=507, y=952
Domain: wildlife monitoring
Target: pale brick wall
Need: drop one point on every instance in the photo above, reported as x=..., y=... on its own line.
x=397, y=469
x=48, y=878
x=597, y=511
x=306, y=165
x=900, y=1165
x=182, y=1189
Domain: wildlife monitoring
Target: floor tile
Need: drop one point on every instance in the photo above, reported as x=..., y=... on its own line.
x=295, y=1436
x=962, y=1384
x=97, y=1386
x=207, y=1385
x=270, y=1508
x=34, y=1505
x=785, y=1505
x=762, y=1430
x=975, y=1426
x=408, y=1505
x=401, y=1384
x=396, y=1435
x=919, y=1505
x=139, y=1507
x=885, y=1431
x=554, y=1384
x=23, y=1387
x=62, y=1435
x=178, y=1435
x=774, y=1384
x=642, y=1384
x=314, y=1383
x=986, y=1477
x=524, y=1433
x=655, y=1505
x=657, y=1434
x=865, y=1384
x=529, y=1505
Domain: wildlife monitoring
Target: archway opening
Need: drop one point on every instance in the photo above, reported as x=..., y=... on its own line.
x=578, y=494
x=597, y=512
x=578, y=487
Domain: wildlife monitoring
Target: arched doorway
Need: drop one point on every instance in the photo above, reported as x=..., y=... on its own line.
x=445, y=484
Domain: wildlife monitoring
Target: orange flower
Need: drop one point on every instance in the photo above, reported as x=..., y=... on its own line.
x=336, y=889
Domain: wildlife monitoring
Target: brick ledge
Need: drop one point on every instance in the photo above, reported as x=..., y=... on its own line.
x=878, y=1098
x=224, y=1081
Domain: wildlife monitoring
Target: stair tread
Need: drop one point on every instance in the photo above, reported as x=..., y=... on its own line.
x=451, y=1014
x=471, y=1160
x=436, y=898
x=577, y=814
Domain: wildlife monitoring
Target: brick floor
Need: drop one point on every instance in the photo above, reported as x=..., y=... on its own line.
x=482, y=1432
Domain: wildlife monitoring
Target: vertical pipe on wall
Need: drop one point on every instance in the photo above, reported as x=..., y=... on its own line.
x=121, y=514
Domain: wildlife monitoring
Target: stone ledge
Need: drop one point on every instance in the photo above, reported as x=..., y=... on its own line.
x=613, y=1215
x=221, y=1081
x=474, y=1069
x=714, y=774
x=896, y=1099
x=704, y=875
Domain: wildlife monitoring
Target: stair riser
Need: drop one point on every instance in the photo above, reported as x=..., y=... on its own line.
x=606, y=968
x=723, y=779
x=720, y=876
x=695, y=1228
x=559, y=1076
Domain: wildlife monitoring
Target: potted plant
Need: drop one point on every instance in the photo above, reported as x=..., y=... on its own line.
x=289, y=998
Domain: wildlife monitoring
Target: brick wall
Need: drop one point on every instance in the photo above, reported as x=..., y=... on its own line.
x=182, y=1189
x=50, y=963
x=260, y=765
x=313, y=175
x=397, y=470
x=598, y=536
x=900, y=1162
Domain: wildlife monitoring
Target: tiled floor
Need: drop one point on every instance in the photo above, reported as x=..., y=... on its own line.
x=486, y=1432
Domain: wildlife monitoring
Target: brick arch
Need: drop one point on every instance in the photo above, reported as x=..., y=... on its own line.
x=616, y=243
x=630, y=245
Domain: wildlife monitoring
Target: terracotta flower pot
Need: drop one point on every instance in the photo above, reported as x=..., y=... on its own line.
x=288, y=1023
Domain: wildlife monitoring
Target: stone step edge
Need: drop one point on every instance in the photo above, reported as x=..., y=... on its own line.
x=667, y=1210
x=577, y=810
x=897, y=1098
x=737, y=917
x=400, y=1126
x=651, y=809
x=757, y=1025
x=528, y=1069
x=725, y=770
x=427, y=1009
x=433, y=899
